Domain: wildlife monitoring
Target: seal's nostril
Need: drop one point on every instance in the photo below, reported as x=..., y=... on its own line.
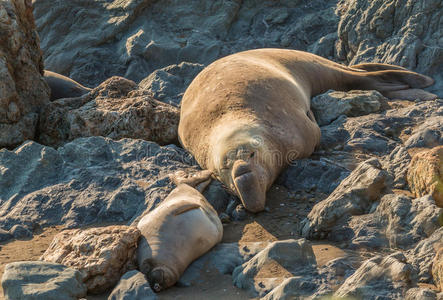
x=157, y=287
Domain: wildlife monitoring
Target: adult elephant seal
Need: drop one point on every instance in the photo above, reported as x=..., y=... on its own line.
x=181, y=229
x=63, y=87
x=247, y=115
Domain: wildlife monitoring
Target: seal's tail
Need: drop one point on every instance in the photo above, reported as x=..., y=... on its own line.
x=392, y=81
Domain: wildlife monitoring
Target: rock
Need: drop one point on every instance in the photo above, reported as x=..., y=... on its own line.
x=134, y=38
x=20, y=232
x=420, y=294
x=23, y=91
x=169, y=84
x=329, y=106
x=133, y=285
x=396, y=164
x=386, y=277
x=401, y=33
x=423, y=254
x=4, y=235
x=354, y=196
x=425, y=175
x=428, y=134
x=437, y=268
x=90, y=180
x=305, y=174
x=278, y=261
x=114, y=109
x=41, y=280
x=102, y=255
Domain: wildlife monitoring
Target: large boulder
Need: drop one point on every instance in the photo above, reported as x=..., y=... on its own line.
x=23, y=90
x=115, y=109
x=425, y=175
x=28, y=280
x=405, y=33
x=94, y=40
x=102, y=254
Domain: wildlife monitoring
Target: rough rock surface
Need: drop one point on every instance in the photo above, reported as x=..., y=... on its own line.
x=389, y=276
x=425, y=175
x=92, y=41
x=169, y=84
x=90, y=180
x=41, y=280
x=101, y=254
x=408, y=34
x=22, y=88
x=329, y=106
x=115, y=109
x=133, y=285
x=437, y=268
x=354, y=196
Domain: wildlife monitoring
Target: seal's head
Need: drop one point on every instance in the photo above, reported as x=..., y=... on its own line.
x=242, y=160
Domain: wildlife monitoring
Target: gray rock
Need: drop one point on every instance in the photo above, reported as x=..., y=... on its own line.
x=169, y=84
x=4, y=235
x=427, y=135
x=354, y=196
x=295, y=256
x=90, y=180
x=133, y=285
x=421, y=294
x=379, y=278
x=396, y=164
x=329, y=106
x=408, y=34
x=134, y=38
x=41, y=280
x=20, y=232
x=422, y=255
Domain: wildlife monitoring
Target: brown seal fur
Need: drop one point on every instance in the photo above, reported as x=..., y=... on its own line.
x=247, y=115
x=63, y=87
x=181, y=229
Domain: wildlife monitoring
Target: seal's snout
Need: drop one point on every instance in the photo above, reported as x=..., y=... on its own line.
x=246, y=181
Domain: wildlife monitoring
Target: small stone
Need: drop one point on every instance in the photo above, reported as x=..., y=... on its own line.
x=224, y=218
x=133, y=285
x=20, y=232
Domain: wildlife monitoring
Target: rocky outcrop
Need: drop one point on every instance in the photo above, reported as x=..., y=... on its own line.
x=41, y=280
x=90, y=180
x=408, y=34
x=437, y=268
x=101, y=254
x=23, y=90
x=133, y=285
x=329, y=106
x=425, y=175
x=134, y=38
x=115, y=109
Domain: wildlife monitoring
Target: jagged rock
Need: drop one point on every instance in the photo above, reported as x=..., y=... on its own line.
x=329, y=106
x=309, y=174
x=428, y=134
x=41, y=280
x=354, y=196
x=133, y=285
x=422, y=255
x=420, y=294
x=396, y=164
x=23, y=90
x=90, y=180
x=437, y=268
x=425, y=174
x=20, y=232
x=279, y=260
x=408, y=34
x=102, y=255
x=379, y=276
x=136, y=37
x=169, y=84
x=115, y=109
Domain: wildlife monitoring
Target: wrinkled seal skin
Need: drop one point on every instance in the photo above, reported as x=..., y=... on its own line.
x=63, y=87
x=247, y=115
x=181, y=229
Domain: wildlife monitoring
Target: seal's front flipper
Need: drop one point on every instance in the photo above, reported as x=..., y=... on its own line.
x=372, y=67
x=410, y=94
x=185, y=208
x=199, y=179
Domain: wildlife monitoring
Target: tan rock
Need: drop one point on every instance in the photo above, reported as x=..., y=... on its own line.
x=425, y=174
x=102, y=254
x=437, y=269
x=114, y=109
x=23, y=91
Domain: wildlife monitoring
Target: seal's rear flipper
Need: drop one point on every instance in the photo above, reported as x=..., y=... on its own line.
x=410, y=94
x=372, y=67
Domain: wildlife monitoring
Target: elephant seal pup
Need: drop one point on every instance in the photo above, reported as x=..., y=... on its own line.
x=247, y=116
x=181, y=229
x=63, y=87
